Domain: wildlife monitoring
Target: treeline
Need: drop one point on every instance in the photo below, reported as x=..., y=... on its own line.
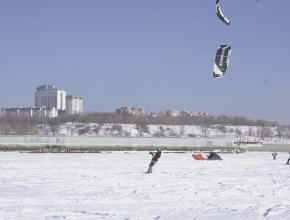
x=112, y=118
x=21, y=125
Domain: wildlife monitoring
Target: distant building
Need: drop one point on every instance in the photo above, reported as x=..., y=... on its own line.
x=50, y=96
x=43, y=111
x=203, y=113
x=153, y=114
x=185, y=112
x=74, y=105
x=131, y=111
x=173, y=113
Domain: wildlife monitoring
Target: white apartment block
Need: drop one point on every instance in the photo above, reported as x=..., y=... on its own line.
x=50, y=96
x=74, y=105
x=43, y=111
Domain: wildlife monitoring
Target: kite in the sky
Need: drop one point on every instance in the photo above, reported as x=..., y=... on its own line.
x=222, y=60
x=220, y=14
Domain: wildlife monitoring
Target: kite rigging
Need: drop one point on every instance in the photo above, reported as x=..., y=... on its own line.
x=222, y=60
x=220, y=14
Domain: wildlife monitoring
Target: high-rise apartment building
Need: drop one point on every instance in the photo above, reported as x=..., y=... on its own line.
x=50, y=96
x=74, y=105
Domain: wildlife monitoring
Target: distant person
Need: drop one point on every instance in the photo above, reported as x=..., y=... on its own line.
x=274, y=155
x=288, y=160
x=155, y=157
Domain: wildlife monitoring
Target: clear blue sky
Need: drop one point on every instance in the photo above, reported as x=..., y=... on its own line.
x=158, y=54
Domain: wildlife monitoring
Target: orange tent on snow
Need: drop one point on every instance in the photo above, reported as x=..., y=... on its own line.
x=199, y=157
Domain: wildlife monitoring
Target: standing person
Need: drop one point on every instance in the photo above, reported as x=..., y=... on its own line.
x=154, y=160
x=288, y=159
x=274, y=155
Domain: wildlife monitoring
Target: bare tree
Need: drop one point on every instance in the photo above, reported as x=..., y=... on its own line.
x=263, y=132
x=172, y=132
x=55, y=129
x=43, y=129
x=268, y=133
x=147, y=130
x=238, y=133
x=192, y=133
x=160, y=132
x=182, y=130
x=19, y=129
x=6, y=129
x=280, y=131
x=223, y=129
x=84, y=130
x=139, y=129
x=72, y=130
x=90, y=129
x=287, y=132
x=29, y=130
x=258, y=132
x=142, y=127
x=204, y=130
x=118, y=129
x=106, y=130
x=97, y=129
x=127, y=133
x=67, y=126
x=250, y=131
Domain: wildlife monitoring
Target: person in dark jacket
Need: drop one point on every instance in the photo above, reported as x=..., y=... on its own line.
x=288, y=160
x=155, y=157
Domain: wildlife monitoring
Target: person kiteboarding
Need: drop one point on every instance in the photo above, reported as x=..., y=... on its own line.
x=274, y=155
x=155, y=157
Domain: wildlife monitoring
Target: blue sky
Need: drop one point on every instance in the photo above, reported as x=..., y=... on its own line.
x=158, y=54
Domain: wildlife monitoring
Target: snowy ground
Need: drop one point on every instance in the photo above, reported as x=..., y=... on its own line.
x=113, y=186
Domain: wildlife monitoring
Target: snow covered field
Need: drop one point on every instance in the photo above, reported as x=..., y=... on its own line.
x=113, y=186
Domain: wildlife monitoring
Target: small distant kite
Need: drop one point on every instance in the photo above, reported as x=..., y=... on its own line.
x=220, y=14
x=222, y=60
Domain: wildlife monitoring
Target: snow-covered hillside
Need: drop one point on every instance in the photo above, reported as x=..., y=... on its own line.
x=246, y=133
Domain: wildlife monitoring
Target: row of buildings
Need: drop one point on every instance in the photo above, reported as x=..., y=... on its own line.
x=131, y=111
x=171, y=112
x=53, y=102
x=49, y=101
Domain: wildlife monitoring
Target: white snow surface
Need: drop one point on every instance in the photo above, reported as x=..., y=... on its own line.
x=113, y=186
